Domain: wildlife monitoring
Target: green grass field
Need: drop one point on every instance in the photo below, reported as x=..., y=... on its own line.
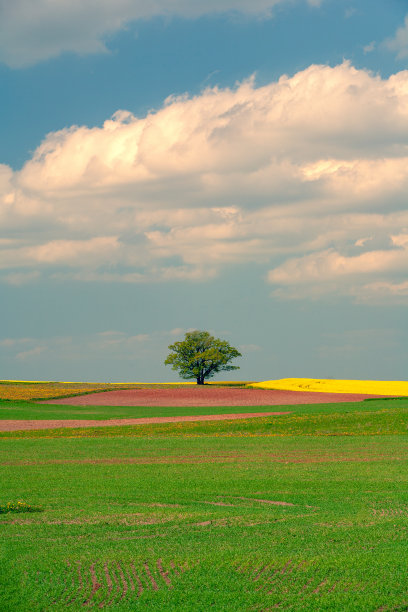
x=30, y=410
x=307, y=511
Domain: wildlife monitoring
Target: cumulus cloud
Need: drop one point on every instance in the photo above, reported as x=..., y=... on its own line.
x=330, y=271
x=399, y=43
x=34, y=30
x=306, y=176
x=370, y=47
x=329, y=265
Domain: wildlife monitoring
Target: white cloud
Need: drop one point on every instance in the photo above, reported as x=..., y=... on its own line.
x=369, y=48
x=249, y=348
x=72, y=252
x=399, y=43
x=349, y=12
x=385, y=292
x=30, y=354
x=330, y=271
x=35, y=30
x=307, y=176
x=11, y=342
x=20, y=278
x=60, y=252
x=329, y=265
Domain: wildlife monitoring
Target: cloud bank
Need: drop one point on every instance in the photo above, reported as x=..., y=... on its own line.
x=36, y=30
x=306, y=177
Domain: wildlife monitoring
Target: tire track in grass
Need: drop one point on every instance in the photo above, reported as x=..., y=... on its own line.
x=284, y=571
x=390, y=512
x=130, y=580
x=174, y=568
x=64, y=586
x=150, y=576
x=80, y=586
x=260, y=573
x=68, y=591
x=269, y=578
x=137, y=578
x=163, y=574
x=96, y=585
x=319, y=586
x=116, y=584
x=123, y=580
x=108, y=582
x=114, y=581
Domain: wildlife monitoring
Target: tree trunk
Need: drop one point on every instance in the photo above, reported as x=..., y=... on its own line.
x=200, y=380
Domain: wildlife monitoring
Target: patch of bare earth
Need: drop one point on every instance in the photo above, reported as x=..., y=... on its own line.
x=20, y=425
x=390, y=513
x=266, y=501
x=207, y=396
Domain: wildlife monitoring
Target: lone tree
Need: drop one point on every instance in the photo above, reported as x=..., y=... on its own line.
x=200, y=356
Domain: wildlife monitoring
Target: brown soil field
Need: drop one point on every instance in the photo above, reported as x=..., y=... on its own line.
x=207, y=396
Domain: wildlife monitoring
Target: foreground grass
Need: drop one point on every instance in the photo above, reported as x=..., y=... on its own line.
x=303, y=512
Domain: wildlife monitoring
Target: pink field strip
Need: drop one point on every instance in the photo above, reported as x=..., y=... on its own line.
x=20, y=425
x=207, y=396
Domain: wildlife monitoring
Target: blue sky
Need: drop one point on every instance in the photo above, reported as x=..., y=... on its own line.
x=231, y=166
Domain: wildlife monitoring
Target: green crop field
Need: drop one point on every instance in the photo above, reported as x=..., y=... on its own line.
x=307, y=511
x=29, y=410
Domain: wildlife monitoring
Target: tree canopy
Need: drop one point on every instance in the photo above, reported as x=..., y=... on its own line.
x=200, y=356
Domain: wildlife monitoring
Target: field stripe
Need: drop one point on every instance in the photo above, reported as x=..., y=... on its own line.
x=31, y=424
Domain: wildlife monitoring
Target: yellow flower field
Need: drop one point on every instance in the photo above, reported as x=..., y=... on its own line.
x=375, y=387
x=32, y=390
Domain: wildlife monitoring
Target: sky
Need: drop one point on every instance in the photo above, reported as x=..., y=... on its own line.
x=232, y=166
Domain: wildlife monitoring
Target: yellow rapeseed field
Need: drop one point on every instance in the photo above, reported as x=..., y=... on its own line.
x=375, y=387
x=13, y=390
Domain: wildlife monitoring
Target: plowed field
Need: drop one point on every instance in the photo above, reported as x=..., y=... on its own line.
x=207, y=396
